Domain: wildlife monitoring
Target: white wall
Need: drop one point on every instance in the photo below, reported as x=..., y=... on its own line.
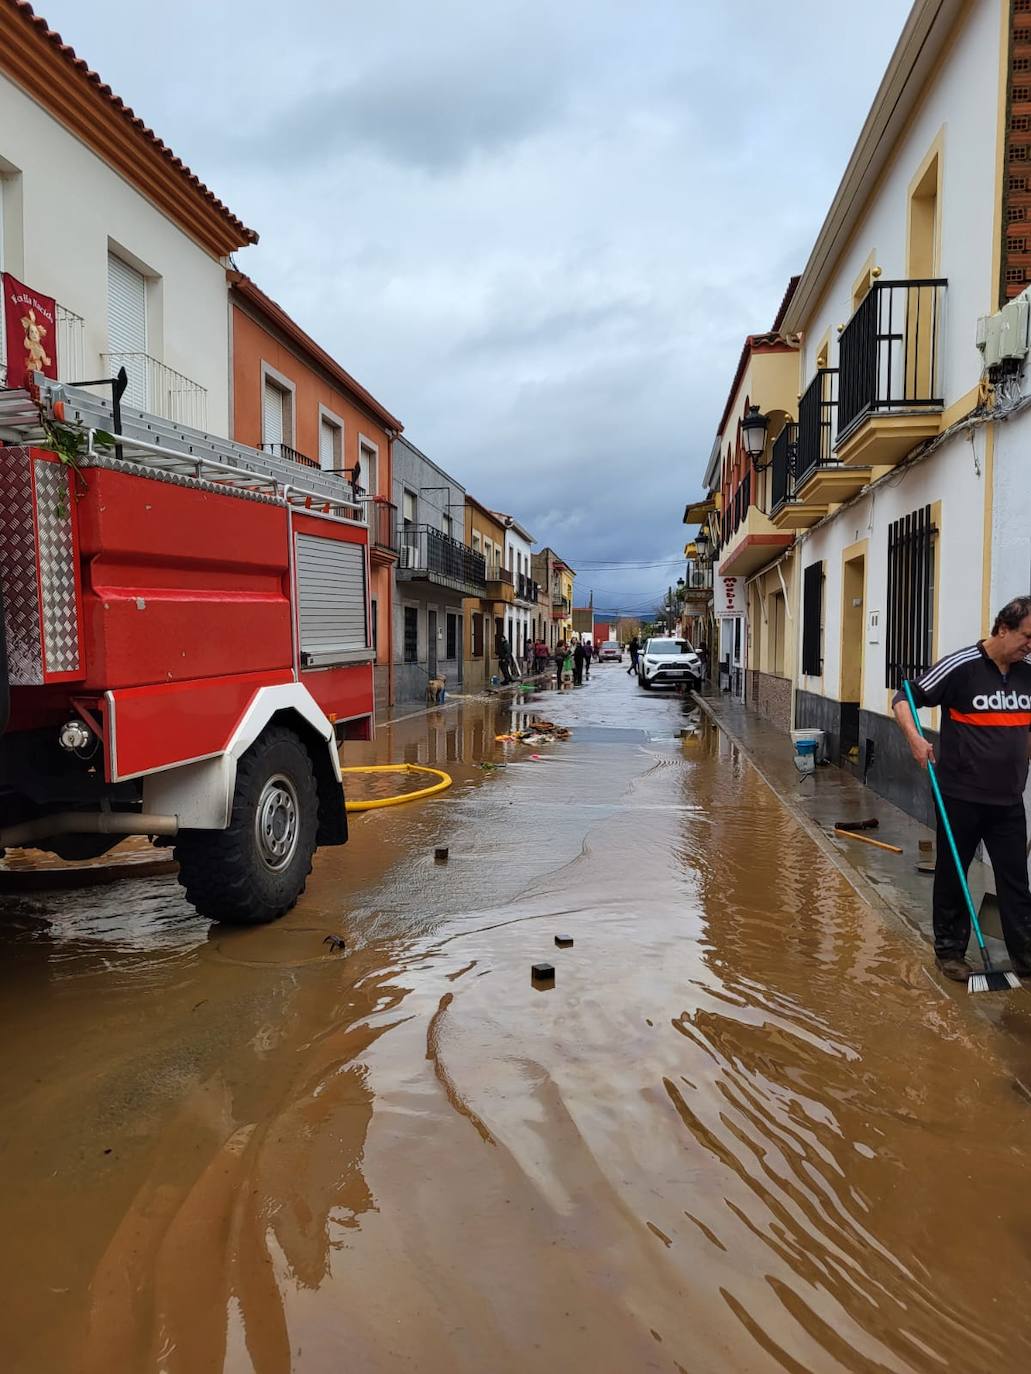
x=1011, y=510
x=962, y=103
x=72, y=203
x=515, y=545
x=950, y=475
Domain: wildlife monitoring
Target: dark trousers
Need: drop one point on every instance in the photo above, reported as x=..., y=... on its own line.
x=578, y=674
x=633, y=664
x=1003, y=830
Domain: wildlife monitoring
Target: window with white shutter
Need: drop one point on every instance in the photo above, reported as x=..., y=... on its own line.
x=127, y=326
x=275, y=415
x=367, y=460
x=330, y=445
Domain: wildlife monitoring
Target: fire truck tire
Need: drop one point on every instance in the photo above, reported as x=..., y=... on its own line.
x=255, y=870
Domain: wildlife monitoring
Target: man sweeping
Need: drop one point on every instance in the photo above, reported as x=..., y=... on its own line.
x=984, y=692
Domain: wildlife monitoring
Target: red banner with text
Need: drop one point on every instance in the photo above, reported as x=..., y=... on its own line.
x=30, y=326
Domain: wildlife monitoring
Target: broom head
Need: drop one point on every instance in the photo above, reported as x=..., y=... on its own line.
x=992, y=981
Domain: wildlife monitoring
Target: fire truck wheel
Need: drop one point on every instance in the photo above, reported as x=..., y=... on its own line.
x=255, y=870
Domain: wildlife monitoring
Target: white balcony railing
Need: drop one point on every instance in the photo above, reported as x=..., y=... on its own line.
x=71, y=347
x=159, y=389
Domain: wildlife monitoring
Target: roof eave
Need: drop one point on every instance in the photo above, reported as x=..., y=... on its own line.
x=50, y=72
x=253, y=294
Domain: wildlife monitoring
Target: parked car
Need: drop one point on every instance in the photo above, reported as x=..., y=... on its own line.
x=610, y=652
x=669, y=663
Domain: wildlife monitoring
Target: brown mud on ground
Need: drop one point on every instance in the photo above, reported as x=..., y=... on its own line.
x=743, y=1131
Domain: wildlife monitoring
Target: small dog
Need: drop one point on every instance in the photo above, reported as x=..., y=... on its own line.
x=435, y=691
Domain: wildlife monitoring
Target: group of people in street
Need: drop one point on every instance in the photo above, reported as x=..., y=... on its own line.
x=572, y=660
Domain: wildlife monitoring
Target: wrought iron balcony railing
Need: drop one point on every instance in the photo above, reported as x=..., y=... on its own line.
x=889, y=357
x=737, y=507
x=159, y=389
x=815, y=445
x=427, y=554
x=782, y=485
x=293, y=455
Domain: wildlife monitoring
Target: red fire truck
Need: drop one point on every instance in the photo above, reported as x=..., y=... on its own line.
x=186, y=634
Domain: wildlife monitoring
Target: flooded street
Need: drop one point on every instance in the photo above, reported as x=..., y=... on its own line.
x=743, y=1130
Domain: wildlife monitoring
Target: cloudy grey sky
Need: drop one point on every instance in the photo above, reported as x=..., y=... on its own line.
x=524, y=226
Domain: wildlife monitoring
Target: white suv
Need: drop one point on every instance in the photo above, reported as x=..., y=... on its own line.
x=669, y=663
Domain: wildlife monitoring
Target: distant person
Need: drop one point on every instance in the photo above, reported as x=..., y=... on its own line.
x=703, y=653
x=504, y=652
x=588, y=655
x=560, y=659
x=579, y=655
x=635, y=653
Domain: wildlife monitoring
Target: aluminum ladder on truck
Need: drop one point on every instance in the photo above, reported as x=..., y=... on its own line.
x=152, y=442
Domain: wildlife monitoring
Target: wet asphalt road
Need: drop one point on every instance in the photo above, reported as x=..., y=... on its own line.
x=743, y=1131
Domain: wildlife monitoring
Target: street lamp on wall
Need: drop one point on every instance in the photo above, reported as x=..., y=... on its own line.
x=702, y=545
x=753, y=432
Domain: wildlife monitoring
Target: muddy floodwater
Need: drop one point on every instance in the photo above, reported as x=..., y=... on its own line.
x=743, y=1130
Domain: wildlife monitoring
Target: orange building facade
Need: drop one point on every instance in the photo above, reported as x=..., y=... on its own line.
x=289, y=395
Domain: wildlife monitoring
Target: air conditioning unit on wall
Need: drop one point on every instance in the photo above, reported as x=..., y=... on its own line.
x=1003, y=337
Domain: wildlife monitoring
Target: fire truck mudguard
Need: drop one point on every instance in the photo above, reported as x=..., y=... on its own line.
x=200, y=792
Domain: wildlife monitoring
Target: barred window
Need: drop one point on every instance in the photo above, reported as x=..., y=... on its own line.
x=911, y=595
x=411, y=634
x=1016, y=214
x=812, y=620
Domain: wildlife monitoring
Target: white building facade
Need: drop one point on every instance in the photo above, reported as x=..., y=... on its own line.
x=888, y=515
x=98, y=214
x=895, y=574
x=521, y=616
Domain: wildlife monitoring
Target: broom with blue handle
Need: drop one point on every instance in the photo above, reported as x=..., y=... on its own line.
x=991, y=980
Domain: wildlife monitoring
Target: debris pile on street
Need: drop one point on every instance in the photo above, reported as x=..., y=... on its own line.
x=535, y=732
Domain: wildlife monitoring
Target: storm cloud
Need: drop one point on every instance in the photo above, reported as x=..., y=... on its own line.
x=537, y=232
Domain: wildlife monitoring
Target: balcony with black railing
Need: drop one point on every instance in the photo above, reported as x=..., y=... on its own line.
x=429, y=555
x=788, y=509
x=821, y=479
x=525, y=588
x=890, y=394
x=749, y=538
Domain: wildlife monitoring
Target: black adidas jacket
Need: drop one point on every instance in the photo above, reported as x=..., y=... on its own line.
x=985, y=720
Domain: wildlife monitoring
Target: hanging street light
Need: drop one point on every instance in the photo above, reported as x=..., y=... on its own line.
x=753, y=432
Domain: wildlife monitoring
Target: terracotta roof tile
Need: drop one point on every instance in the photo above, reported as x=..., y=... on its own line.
x=85, y=72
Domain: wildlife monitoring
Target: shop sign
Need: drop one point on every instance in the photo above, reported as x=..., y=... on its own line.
x=728, y=595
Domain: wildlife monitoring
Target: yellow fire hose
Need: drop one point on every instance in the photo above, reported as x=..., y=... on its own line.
x=445, y=781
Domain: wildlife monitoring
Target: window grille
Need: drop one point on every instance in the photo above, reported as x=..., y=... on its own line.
x=812, y=620
x=411, y=634
x=911, y=594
